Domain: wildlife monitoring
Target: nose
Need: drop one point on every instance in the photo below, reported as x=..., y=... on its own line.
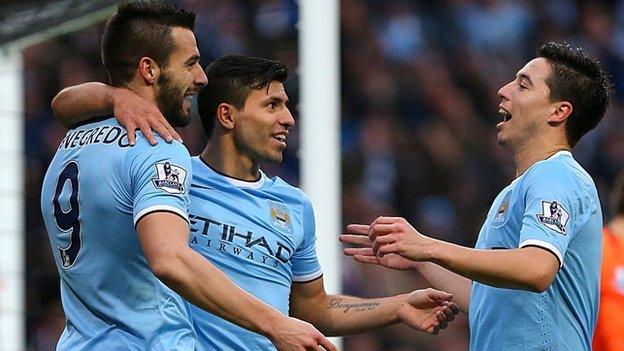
x=200, y=78
x=503, y=92
x=287, y=119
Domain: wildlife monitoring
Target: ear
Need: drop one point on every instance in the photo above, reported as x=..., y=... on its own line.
x=226, y=115
x=149, y=70
x=562, y=111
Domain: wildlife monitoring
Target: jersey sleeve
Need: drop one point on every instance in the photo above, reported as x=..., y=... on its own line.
x=305, y=265
x=160, y=178
x=557, y=206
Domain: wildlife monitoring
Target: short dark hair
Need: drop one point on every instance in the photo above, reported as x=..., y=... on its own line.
x=617, y=195
x=231, y=79
x=140, y=29
x=579, y=79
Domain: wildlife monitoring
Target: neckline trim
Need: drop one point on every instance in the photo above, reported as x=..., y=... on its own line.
x=558, y=153
x=240, y=183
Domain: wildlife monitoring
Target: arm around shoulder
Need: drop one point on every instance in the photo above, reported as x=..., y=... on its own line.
x=80, y=103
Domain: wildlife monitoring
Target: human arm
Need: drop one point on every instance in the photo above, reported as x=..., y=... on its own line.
x=424, y=310
x=528, y=268
x=438, y=277
x=80, y=103
x=164, y=239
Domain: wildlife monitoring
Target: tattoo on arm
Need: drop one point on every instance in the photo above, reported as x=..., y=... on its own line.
x=355, y=307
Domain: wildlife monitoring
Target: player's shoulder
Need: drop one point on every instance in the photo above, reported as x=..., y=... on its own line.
x=281, y=186
x=164, y=148
x=559, y=171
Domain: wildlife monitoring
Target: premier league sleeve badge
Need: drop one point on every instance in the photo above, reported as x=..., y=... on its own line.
x=554, y=216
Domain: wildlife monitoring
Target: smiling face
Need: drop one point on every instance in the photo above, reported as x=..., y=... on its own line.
x=525, y=105
x=181, y=79
x=262, y=124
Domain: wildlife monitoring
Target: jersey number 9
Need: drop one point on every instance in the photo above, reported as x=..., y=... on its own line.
x=68, y=221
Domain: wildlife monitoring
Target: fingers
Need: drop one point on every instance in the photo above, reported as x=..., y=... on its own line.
x=441, y=317
x=449, y=313
x=360, y=251
x=357, y=229
x=366, y=259
x=381, y=240
x=358, y=239
x=163, y=131
x=169, y=131
x=131, y=128
x=455, y=308
x=147, y=132
x=380, y=230
x=386, y=220
x=326, y=344
x=434, y=329
x=387, y=249
x=438, y=295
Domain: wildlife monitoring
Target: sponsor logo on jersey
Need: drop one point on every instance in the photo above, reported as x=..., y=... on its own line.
x=169, y=178
x=279, y=215
x=237, y=241
x=554, y=216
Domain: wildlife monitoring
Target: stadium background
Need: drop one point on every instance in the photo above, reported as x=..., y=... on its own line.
x=419, y=109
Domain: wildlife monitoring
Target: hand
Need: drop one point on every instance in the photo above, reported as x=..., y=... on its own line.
x=357, y=234
x=133, y=111
x=394, y=235
x=428, y=310
x=291, y=334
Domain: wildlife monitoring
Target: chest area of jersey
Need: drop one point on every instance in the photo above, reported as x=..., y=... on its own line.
x=503, y=223
x=266, y=231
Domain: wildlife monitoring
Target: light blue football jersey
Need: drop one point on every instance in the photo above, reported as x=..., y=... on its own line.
x=553, y=205
x=95, y=190
x=261, y=235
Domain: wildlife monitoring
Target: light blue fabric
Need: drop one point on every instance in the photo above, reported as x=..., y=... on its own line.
x=553, y=205
x=94, y=191
x=261, y=235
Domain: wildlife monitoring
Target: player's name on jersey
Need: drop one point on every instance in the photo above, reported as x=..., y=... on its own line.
x=97, y=135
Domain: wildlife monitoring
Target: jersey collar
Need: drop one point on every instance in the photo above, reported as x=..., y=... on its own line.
x=239, y=183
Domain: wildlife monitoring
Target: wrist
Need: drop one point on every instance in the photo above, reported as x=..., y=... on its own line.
x=403, y=303
x=436, y=251
x=112, y=96
x=269, y=325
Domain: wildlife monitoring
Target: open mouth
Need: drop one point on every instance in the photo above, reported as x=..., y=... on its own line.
x=189, y=97
x=504, y=114
x=281, y=138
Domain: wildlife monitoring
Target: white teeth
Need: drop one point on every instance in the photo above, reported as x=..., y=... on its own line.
x=506, y=115
x=280, y=137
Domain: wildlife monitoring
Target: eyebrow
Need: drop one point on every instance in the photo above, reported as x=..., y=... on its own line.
x=192, y=59
x=525, y=77
x=275, y=98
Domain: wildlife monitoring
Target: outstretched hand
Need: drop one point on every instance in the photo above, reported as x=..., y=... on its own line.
x=428, y=310
x=394, y=235
x=357, y=234
x=133, y=111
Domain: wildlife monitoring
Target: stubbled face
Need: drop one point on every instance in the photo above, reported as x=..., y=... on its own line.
x=525, y=105
x=181, y=79
x=262, y=124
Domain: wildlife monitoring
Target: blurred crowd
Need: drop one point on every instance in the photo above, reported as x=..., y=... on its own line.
x=419, y=110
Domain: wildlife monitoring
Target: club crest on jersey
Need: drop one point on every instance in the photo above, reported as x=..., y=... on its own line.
x=554, y=216
x=169, y=178
x=279, y=215
x=501, y=214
